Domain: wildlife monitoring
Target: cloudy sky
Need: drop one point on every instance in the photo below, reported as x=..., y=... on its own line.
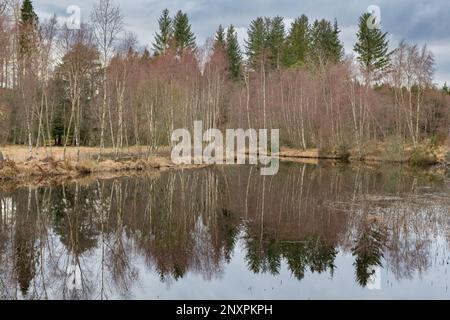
x=417, y=21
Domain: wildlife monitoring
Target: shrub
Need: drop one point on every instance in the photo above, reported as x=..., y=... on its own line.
x=8, y=170
x=447, y=158
x=394, y=150
x=422, y=156
x=85, y=167
x=343, y=152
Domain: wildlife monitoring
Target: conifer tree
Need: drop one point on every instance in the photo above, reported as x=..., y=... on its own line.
x=266, y=39
x=28, y=26
x=145, y=55
x=163, y=38
x=27, y=14
x=446, y=89
x=297, y=42
x=336, y=46
x=372, y=49
x=183, y=36
x=219, y=40
x=325, y=45
x=276, y=40
x=256, y=44
x=233, y=52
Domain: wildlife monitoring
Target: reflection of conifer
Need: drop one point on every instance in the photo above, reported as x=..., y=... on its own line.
x=178, y=272
x=296, y=258
x=25, y=264
x=273, y=257
x=254, y=255
x=320, y=255
x=313, y=253
x=230, y=231
x=369, y=251
x=76, y=230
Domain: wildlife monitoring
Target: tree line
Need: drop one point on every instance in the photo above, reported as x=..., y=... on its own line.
x=93, y=86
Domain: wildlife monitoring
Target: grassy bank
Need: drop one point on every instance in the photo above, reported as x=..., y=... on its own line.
x=46, y=165
x=50, y=166
x=389, y=151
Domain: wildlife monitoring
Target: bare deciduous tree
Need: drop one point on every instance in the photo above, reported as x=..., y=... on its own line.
x=107, y=23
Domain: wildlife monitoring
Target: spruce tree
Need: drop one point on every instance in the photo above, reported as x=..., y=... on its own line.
x=336, y=46
x=275, y=41
x=183, y=35
x=163, y=38
x=372, y=49
x=297, y=42
x=27, y=14
x=233, y=52
x=256, y=44
x=28, y=26
x=219, y=40
x=325, y=45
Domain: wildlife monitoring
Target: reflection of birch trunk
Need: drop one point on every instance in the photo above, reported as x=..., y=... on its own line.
x=42, y=232
x=262, y=208
x=301, y=193
x=247, y=192
x=75, y=281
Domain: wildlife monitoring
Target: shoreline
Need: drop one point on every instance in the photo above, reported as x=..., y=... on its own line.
x=132, y=163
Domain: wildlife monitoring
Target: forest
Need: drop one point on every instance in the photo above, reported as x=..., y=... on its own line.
x=95, y=86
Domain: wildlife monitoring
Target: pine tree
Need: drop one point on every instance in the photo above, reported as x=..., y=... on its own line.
x=256, y=45
x=163, y=38
x=372, y=49
x=219, y=40
x=183, y=35
x=28, y=26
x=297, y=42
x=275, y=41
x=233, y=52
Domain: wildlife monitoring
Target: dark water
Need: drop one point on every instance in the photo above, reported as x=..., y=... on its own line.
x=319, y=232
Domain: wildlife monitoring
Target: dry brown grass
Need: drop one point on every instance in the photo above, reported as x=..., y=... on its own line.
x=50, y=165
x=20, y=153
x=307, y=154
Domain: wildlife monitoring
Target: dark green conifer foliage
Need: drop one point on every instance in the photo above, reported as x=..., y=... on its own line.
x=164, y=37
x=233, y=53
x=276, y=41
x=28, y=27
x=445, y=88
x=297, y=43
x=325, y=45
x=256, y=44
x=219, y=39
x=183, y=36
x=371, y=48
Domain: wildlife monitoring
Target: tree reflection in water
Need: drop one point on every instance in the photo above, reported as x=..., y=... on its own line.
x=83, y=240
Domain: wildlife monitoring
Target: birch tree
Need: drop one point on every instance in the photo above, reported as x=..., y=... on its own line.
x=107, y=24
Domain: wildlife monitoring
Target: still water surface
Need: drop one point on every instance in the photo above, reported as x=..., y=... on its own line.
x=311, y=232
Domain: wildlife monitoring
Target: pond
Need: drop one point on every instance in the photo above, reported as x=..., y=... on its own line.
x=326, y=231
